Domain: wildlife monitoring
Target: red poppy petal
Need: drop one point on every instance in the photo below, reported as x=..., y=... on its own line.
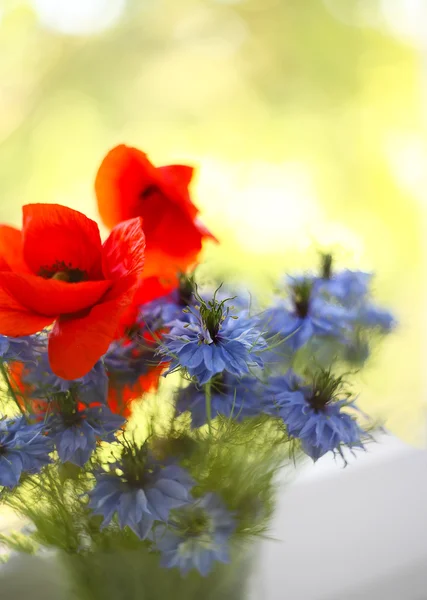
x=16, y=320
x=151, y=288
x=124, y=174
x=175, y=181
x=76, y=343
x=4, y=265
x=178, y=174
x=11, y=255
x=51, y=297
x=123, y=251
x=173, y=245
x=55, y=234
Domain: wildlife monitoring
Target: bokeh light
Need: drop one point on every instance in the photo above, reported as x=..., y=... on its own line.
x=79, y=17
x=407, y=19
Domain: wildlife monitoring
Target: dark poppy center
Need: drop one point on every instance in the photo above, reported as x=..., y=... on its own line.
x=63, y=272
x=149, y=191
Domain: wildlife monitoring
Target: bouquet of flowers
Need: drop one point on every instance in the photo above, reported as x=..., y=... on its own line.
x=145, y=413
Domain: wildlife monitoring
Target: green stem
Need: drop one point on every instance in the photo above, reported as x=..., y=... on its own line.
x=9, y=387
x=279, y=341
x=208, y=396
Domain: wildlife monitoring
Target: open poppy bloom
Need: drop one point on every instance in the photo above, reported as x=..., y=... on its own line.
x=57, y=271
x=129, y=185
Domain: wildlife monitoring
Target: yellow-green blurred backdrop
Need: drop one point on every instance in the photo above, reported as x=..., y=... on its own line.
x=304, y=117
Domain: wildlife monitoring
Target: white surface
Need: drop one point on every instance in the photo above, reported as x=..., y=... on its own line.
x=351, y=534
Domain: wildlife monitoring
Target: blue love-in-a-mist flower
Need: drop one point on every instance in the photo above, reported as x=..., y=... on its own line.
x=358, y=348
x=304, y=315
x=370, y=316
x=23, y=448
x=196, y=536
x=157, y=314
x=140, y=491
x=330, y=310
x=232, y=397
x=76, y=432
x=12, y=349
x=213, y=340
x=348, y=287
x=318, y=413
x=352, y=290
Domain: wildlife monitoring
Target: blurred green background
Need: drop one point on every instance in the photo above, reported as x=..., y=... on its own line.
x=304, y=118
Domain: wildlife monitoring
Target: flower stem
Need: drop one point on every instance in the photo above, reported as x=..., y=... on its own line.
x=208, y=396
x=9, y=387
x=279, y=340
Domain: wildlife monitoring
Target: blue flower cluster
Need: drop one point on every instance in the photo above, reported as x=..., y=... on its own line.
x=333, y=307
x=348, y=287
x=140, y=491
x=76, y=413
x=24, y=448
x=305, y=316
x=155, y=502
x=212, y=340
x=317, y=413
x=197, y=535
x=352, y=290
x=76, y=431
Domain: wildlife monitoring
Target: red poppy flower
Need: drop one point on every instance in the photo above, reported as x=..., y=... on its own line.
x=129, y=185
x=57, y=271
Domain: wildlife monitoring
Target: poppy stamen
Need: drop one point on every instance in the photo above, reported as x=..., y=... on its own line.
x=62, y=272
